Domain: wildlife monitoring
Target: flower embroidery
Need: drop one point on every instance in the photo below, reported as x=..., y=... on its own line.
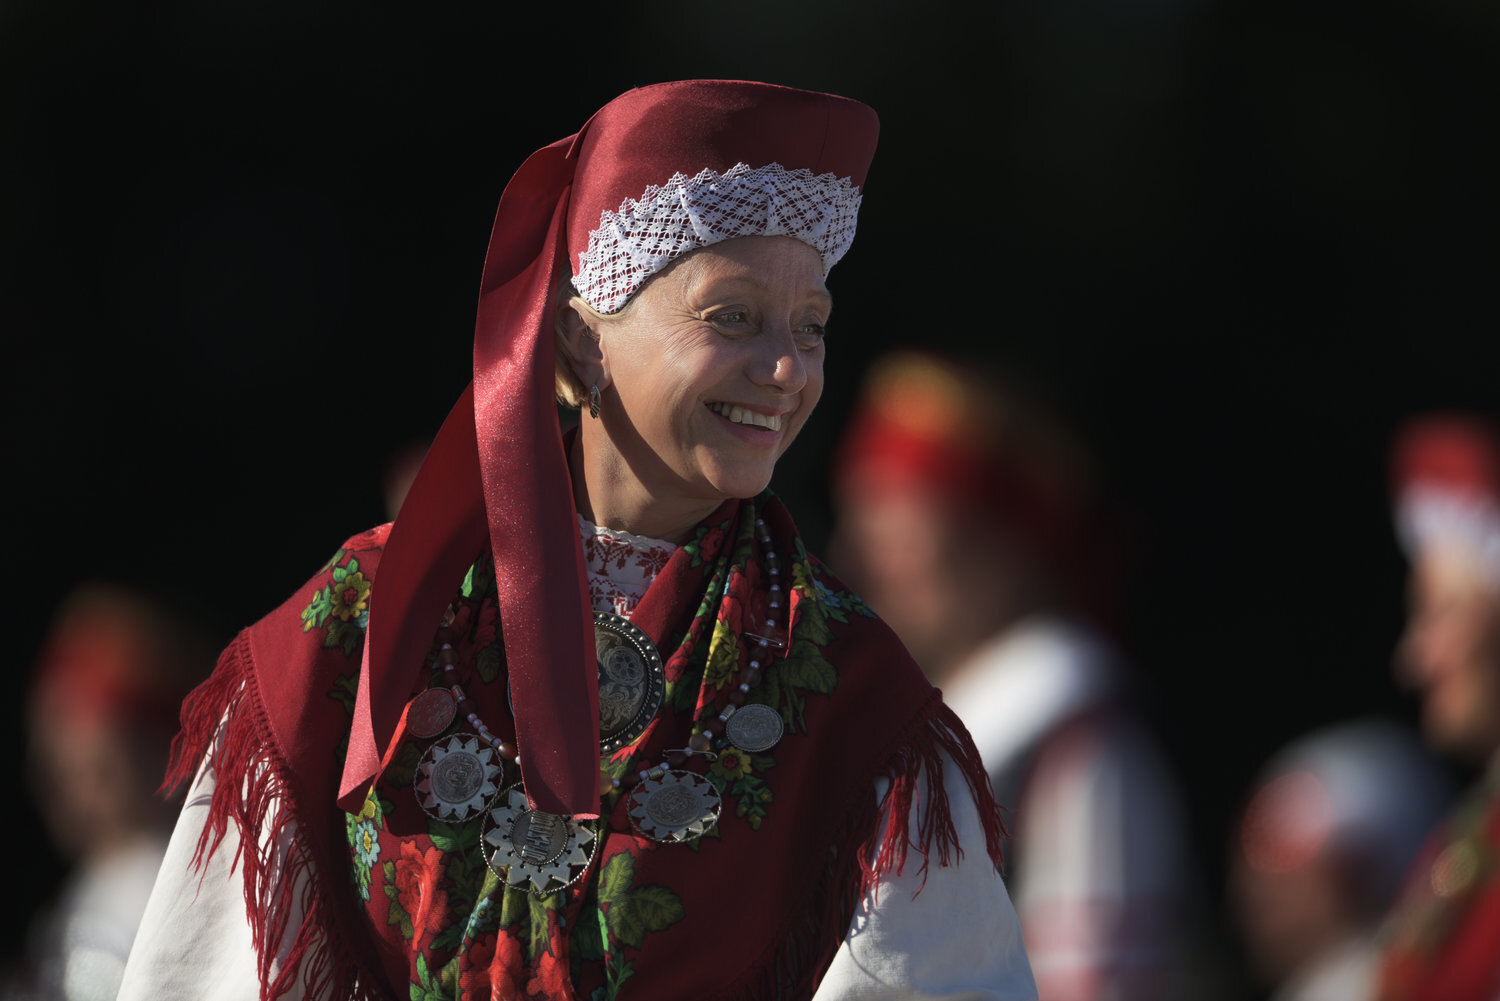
x=621, y=567
x=652, y=561
x=341, y=607
x=418, y=880
x=364, y=841
x=732, y=764
x=351, y=596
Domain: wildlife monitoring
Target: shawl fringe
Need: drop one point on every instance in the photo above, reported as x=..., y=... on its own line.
x=919, y=755
x=796, y=965
x=225, y=727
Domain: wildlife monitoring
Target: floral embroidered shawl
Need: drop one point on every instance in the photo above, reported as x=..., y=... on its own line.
x=396, y=903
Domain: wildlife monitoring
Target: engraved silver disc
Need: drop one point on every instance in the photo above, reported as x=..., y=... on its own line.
x=539, y=838
x=457, y=777
x=754, y=728
x=678, y=806
x=632, y=680
x=430, y=713
x=538, y=852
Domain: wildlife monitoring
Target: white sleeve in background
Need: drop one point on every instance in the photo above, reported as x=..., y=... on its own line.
x=1100, y=866
x=957, y=940
x=194, y=941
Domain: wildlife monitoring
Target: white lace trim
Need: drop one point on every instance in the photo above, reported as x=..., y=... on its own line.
x=687, y=213
x=621, y=566
x=1467, y=525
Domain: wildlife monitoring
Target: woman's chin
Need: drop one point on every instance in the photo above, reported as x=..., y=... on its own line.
x=739, y=483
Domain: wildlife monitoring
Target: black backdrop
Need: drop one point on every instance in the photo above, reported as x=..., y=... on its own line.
x=241, y=246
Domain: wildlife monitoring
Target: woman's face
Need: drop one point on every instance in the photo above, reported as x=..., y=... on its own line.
x=714, y=368
x=1451, y=654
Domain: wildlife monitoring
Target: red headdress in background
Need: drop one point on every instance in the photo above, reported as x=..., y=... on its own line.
x=1446, y=481
x=927, y=420
x=656, y=173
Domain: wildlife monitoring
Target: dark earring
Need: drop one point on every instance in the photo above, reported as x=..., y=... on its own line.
x=594, y=400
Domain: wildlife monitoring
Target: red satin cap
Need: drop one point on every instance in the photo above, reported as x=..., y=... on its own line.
x=645, y=136
x=497, y=469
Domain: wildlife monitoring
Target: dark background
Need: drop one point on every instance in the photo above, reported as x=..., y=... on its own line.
x=242, y=241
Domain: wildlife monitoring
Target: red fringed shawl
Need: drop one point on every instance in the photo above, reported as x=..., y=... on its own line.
x=396, y=904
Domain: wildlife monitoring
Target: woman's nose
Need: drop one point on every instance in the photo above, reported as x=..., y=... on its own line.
x=779, y=364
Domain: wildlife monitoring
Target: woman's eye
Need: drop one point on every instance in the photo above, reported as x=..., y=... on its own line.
x=732, y=317
x=810, y=335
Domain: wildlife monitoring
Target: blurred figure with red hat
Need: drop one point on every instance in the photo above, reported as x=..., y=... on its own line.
x=1331, y=824
x=100, y=715
x=1442, y=940
x=965, y=514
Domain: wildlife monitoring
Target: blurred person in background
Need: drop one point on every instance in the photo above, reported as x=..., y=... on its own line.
x=100, y=715
x=964, y=517
x=1331, y=824
x=1442, y=939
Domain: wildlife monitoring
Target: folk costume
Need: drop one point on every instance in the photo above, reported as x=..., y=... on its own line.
x=472, y=758
x=1442, y=939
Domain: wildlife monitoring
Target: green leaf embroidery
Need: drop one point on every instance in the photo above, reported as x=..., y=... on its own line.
x=345, y=689
x=489, y=661
x=540, y=942
x=633, y=913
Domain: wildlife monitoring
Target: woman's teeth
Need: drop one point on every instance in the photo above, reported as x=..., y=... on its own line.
x=740, y=415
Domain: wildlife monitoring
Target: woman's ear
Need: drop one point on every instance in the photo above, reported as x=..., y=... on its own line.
x=579, y=343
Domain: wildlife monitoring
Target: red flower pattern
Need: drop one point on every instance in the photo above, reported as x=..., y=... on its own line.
x=497, y=971
x=550, y=979
x=418, y=880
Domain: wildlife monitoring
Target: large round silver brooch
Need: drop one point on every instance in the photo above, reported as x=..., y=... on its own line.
x=754, y=728
x=632, y=680
x=541, y=853
x=457, y=778
x=675, y=806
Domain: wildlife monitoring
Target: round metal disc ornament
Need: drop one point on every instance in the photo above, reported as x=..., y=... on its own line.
x=431, y=713
x=632, y=680
x=457, y=778
x=754, y=728
x=541, y=853
x=676, y=806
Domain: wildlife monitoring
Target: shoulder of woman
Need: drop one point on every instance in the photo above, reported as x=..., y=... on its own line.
x=849, y=616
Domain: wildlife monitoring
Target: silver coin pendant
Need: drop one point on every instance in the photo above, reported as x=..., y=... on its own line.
x=754, y=728
x=457, y=778
x=676, y=806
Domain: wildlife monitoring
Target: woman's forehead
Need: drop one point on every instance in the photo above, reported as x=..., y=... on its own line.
x=779, y=264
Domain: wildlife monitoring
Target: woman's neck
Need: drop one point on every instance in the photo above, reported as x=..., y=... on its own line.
x=608, y=495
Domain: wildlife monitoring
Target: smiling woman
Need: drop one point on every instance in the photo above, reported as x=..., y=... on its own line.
x=704, y=381
x=402, y=781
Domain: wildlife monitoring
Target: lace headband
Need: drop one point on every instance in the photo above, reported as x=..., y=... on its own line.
x=643, y=236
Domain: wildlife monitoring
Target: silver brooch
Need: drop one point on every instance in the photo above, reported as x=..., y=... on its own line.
x=539, y=852
x=674, y=806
